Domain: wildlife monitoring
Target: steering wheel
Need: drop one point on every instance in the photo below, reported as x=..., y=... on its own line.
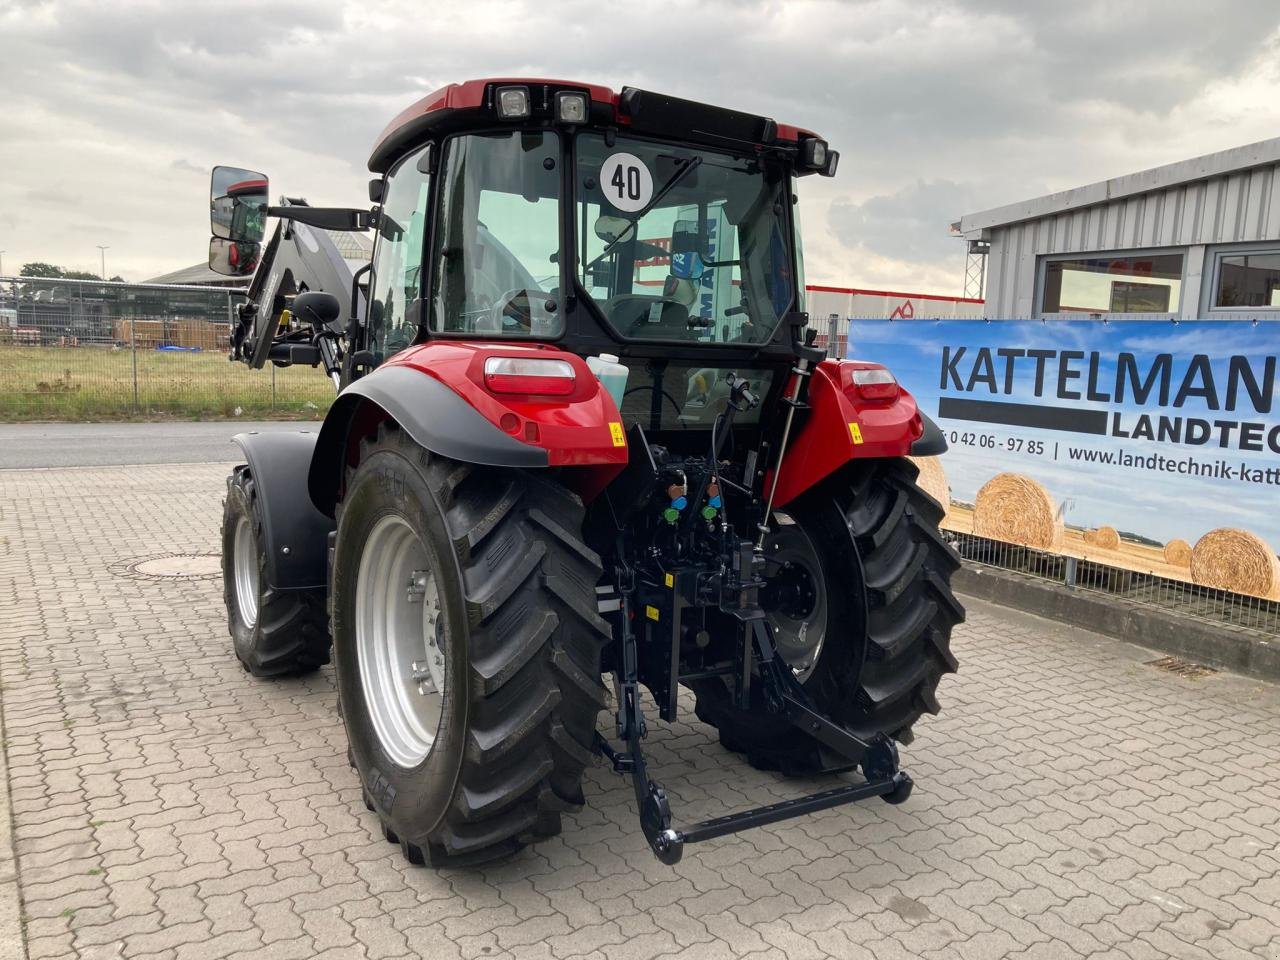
x=506, y=309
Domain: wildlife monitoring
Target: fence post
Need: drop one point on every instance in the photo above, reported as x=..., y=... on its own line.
x=832, y=349
x=273, y=388
x=133, y=352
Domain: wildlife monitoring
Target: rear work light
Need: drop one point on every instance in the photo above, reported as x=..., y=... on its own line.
x=523, y=376
x=513, y=102
x=813, y=153
x=875, y=384
x=572, y=107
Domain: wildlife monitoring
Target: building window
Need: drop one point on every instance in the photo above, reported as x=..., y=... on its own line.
x=1247, y=280
x=1145, y=283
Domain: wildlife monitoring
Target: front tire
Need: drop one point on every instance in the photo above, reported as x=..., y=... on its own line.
x=882, y=614
x=276, y=633
x=498, y=754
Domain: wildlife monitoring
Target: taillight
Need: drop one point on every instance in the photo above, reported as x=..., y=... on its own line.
x=529, y=375
x=875, y=384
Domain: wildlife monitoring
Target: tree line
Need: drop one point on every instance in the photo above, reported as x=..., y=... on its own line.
x=37, y=269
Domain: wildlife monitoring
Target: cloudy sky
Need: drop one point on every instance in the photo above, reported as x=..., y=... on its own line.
x=112, y=113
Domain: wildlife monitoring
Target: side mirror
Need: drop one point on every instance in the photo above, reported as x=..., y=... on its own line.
x=233, y=258
x=238, y=204
x=317, y=309
x=612, y=229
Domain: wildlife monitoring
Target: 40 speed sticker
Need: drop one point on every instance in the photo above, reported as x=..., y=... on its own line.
x=626, y=182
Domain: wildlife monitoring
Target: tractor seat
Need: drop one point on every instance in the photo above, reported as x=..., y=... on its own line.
x=652, y=318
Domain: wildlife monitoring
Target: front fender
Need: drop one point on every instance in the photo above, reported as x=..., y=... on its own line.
x=841, y=426
x=294, y=533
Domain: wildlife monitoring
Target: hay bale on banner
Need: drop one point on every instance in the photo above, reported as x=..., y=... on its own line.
x=1105, y=537
x=933, y=480
x=1177, y=553
x=1236, y=560
x=1014, y=508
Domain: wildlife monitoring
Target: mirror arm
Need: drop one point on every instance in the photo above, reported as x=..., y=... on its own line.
x=353, y=321
x=326, y=218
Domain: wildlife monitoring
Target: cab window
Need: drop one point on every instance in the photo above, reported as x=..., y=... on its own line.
x=397, y=261
x=682, y=244
x=495, y=254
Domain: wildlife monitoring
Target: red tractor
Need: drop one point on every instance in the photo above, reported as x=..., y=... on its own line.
x=582, y=429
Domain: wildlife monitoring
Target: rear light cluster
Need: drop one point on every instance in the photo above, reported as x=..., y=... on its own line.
x=525, y=376
x=875, y=384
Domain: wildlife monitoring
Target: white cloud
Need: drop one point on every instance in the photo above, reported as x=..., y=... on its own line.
x=941, y=107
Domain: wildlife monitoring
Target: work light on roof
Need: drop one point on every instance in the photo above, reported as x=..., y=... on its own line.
x=513, y=102
x=571, y=107
x=813, y=153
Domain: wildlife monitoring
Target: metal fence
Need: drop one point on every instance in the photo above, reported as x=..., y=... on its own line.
x=1209, y=604
x=88, y=350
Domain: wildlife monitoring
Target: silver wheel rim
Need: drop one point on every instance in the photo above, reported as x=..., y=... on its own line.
x=399, y=641
x=244, y=561
x=799, y=624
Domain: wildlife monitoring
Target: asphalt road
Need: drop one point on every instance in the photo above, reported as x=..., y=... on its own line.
x=43, y=445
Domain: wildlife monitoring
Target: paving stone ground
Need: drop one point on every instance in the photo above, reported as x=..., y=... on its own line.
x=1071, y=801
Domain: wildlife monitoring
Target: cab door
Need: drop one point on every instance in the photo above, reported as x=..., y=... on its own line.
x=395, y=300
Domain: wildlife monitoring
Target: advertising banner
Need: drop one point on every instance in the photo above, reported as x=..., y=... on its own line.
x=1150, y=445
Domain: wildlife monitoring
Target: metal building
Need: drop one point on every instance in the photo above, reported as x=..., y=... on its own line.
x=1195, y=239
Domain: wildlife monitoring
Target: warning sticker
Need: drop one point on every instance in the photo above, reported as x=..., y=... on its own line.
x=855, y=432
x=626, y=182
x=619, y=438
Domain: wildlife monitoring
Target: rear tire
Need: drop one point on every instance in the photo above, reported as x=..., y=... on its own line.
x=514, y=619
x=889, y=612
x=276, y=633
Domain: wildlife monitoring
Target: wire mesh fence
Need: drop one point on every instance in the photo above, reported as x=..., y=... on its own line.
x=92, y=350
x=1175, y=596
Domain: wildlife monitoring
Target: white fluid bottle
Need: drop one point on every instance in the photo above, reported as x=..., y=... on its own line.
x=611, y=374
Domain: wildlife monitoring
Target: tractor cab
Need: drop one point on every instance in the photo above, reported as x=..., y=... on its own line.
x=628, y=224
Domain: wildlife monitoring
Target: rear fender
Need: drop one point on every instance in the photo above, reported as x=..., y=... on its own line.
x=294, y=532
x=842, y=426
x=436, y=393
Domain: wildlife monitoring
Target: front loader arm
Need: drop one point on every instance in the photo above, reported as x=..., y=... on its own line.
x=297, y=258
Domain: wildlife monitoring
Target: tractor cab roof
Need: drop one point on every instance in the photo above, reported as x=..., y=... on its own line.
x=473, y=104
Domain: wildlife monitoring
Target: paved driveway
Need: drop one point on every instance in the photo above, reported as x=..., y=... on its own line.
x=1071, y=801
